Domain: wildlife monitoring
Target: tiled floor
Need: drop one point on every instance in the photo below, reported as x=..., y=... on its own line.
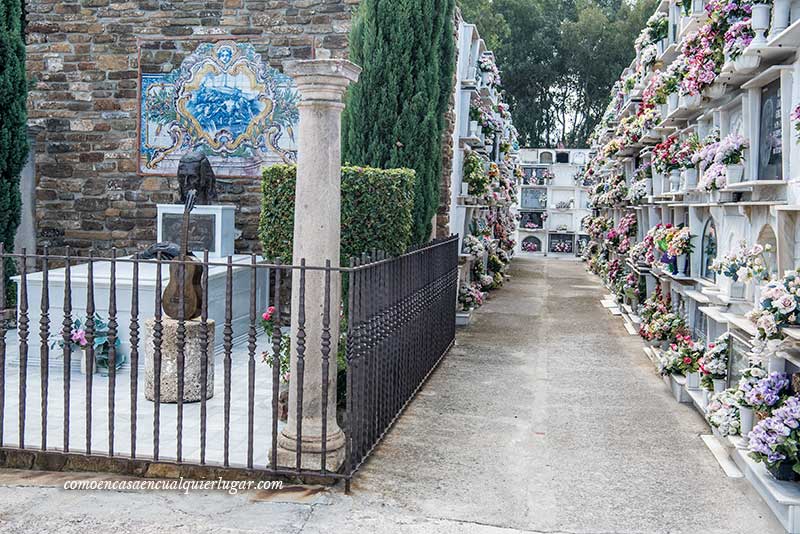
x=262, y=408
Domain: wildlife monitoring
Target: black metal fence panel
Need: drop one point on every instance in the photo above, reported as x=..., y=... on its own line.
x=108, y=313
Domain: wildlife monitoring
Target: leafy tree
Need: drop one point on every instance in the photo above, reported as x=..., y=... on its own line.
x=13, y=128
x=559, y=59
x=395, y=114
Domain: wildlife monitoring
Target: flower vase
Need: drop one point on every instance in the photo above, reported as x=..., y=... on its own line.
x=713, y=196
x=720, y=385
x=674, y=181
x=760, y=22
x=781, y=15
x=757, y=295
x=672, y=102
x=689, y=179
x=782, y=470
x=473, y=129
x=716, y=90
x=92, y=366
x=670, y=262
x=693, y=101
x=464, y=189
x=746, y=63
x=693, y=380
x=746, y=417
x=686, y=261
x=738, y=290
x=734, y=173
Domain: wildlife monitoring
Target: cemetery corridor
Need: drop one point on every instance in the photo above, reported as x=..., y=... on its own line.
x=555, y=422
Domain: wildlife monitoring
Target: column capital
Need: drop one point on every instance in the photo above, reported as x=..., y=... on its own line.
x=322, y=80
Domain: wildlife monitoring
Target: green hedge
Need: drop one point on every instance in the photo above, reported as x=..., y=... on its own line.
x=377, y=211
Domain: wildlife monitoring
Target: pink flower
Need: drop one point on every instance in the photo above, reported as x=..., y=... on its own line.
x=79, y=337
x=268, y=314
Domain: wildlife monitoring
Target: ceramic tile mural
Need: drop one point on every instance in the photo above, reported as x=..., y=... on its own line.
x=225, y=101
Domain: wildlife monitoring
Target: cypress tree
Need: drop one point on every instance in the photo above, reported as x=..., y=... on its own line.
x=395, y=114
x=13, y=125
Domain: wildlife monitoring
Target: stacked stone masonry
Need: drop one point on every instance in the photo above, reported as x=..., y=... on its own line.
x=83, y=63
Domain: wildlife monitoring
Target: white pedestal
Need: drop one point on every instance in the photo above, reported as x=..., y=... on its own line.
x=210, y=227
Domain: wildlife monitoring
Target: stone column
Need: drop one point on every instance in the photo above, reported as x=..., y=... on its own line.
x=317, y=227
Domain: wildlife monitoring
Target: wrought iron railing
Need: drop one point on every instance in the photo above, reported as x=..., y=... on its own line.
x=400, y=317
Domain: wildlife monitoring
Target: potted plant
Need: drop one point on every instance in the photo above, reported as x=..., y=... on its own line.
x=730, y=152
x=714, y=365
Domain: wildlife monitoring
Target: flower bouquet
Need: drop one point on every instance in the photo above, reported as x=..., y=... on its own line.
x=776, y=440
x=778, y=306
x=79, y=339
x=745, y=264
x=530, y=246
x=714, y=364
x=470, y=297
x=562, y=247
x=722, y=413
x=473, y=246
x=489, y=71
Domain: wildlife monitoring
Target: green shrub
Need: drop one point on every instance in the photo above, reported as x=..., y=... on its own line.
x=13, y=129
x=377, y=211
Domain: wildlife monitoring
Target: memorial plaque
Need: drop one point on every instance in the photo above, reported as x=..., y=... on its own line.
x=770, y=142
x=202, y=230
x=533, y=198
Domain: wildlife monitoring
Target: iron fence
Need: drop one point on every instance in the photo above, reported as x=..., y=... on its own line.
x=142, y=410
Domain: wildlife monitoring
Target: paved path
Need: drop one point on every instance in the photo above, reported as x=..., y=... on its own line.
x=546, y=417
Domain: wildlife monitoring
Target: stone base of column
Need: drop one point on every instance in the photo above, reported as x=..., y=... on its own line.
x=312, y=452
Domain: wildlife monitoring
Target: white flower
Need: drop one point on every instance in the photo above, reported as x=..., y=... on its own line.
x=785, y=304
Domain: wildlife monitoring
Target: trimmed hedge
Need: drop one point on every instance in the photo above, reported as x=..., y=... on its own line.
x=377, y=211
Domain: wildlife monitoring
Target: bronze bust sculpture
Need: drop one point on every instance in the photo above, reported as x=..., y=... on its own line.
x=195, y=173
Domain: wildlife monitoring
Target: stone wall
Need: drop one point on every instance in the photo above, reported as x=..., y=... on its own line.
x=442, y=219
x=83, y=65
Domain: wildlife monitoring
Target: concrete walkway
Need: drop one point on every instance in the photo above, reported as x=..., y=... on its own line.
x=546, y=417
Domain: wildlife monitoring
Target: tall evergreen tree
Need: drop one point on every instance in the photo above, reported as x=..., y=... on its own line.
x=395, y=114
x=13, y=123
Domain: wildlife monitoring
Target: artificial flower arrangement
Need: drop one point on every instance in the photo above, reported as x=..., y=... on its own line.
x=268, y=323
x=657, y=27
x=796, y=118
x=637, y=192
x=630, y=286
x=684, y=156
x=738, y=38
x=745, y=264
x=618, y=238
x=767, y=393
x=778, y=306
x=663, y=327
x=775, y=440
x=682, y=357
x=665, y=155
x=530, y=246
x=475, y=175
x=703, y=55
x=596, y=227
x=491, y=73
x=714, y=178
x=730, y=150
x=562, y=247
x=722, y=413
x=473, y=246
x=714, y=364
x=470, y=297
x=100, y=340
x=680, y=243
